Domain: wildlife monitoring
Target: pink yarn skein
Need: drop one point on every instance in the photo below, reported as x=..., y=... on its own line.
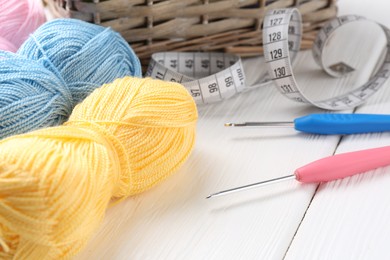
x=6, y=45
x=18, y=19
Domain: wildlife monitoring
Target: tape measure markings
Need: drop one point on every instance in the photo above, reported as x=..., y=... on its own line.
x=211, y=77
x=231, y=80
x=290, y=88
x=219, y=75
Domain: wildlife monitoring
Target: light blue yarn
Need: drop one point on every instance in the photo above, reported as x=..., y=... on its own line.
x=31, y=96
x=56, y=68
x=85, y=55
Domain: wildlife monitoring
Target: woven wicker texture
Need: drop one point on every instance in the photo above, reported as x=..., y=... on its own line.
x=192, y=25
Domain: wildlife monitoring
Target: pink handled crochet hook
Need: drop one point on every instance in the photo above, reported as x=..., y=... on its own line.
x=328, y=169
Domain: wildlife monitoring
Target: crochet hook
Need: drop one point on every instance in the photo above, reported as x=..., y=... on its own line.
x=328, y=169
x=330, y=124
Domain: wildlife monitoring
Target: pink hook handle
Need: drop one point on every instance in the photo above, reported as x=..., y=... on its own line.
x=344, y=165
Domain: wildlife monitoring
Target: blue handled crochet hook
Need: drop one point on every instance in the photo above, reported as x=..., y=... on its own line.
x=330, y=124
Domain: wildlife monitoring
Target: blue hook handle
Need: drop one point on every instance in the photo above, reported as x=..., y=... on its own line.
x=329, y=124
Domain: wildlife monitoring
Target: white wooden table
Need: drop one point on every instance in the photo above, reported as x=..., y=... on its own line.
x=346, y=219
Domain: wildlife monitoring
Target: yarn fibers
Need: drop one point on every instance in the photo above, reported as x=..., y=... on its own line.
x=19, y=18
x=31, y=96
x=85, y=55
x=56, y=68
x=121, y=140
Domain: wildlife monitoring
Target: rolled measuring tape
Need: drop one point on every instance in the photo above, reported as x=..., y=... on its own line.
x=276, y=39
x=212, y=77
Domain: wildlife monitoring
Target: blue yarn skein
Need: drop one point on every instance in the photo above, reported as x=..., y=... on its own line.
x=31, y=96
x=56, y=68
x=85, y=55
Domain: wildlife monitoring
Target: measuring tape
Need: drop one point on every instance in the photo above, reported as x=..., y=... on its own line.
x=209, y=77
x=212, y=77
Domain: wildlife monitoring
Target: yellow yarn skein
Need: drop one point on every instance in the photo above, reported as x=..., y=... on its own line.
x=56, y=183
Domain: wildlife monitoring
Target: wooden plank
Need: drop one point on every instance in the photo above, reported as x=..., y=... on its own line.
x=348, y=219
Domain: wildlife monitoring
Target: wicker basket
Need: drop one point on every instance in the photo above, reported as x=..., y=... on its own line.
x=192, y=25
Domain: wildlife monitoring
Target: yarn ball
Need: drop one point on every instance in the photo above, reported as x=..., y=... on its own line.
x=84, y=54
x=19, y=18
x=31, y=96
x=56, y=183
